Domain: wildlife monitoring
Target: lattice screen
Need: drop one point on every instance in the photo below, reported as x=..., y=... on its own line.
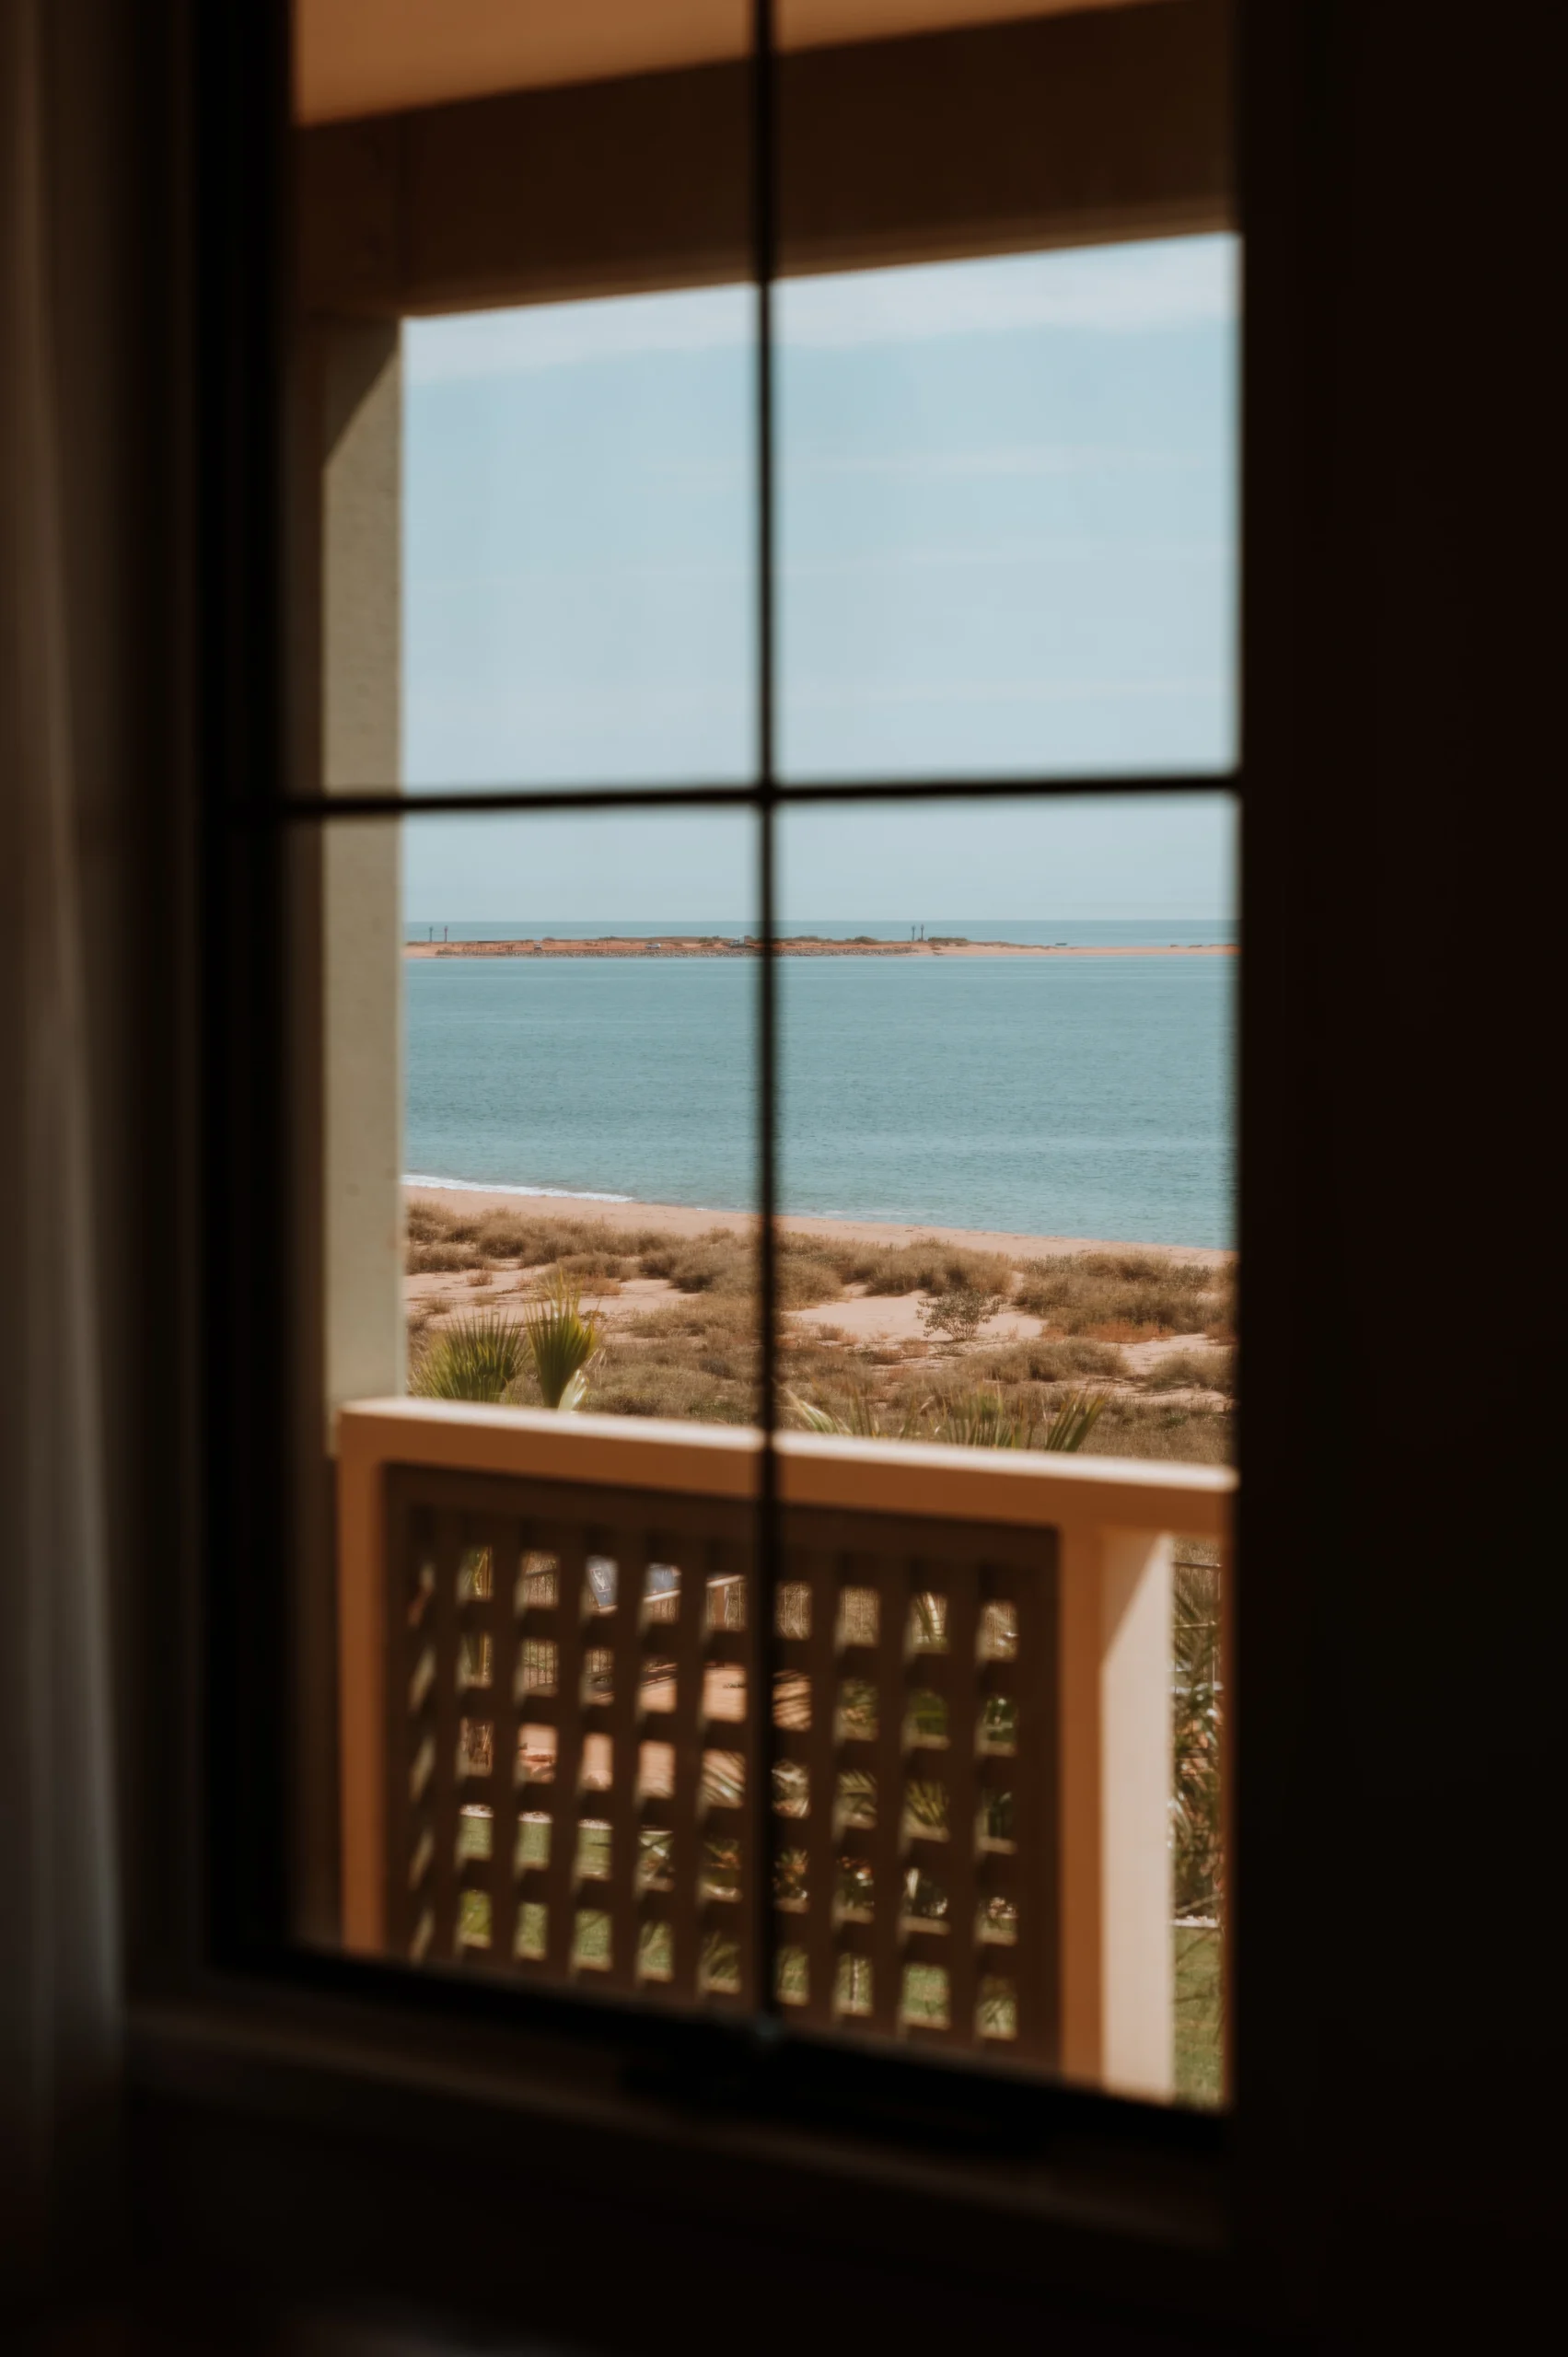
x=572, y=1742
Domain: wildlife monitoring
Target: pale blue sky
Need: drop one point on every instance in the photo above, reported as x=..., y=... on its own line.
x=1006, y=516
x=1119, y=855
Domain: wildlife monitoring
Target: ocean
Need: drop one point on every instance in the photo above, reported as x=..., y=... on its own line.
x=1088, y=1096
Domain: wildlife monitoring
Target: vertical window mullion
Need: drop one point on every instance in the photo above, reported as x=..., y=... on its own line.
x=763, y=1643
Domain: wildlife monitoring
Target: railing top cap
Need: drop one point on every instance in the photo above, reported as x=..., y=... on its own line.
x=718, y=1460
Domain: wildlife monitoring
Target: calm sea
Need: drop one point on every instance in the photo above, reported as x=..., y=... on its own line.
x=1083, y=1097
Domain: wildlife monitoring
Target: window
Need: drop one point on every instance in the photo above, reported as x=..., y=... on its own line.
x=764, y=855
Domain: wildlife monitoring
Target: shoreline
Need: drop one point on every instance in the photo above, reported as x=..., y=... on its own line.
x=687, y=1220
x=796, y=945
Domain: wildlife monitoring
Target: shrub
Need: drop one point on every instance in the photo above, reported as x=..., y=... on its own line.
x=424, y=1224
x=804, y=1274
x=729, y=1315
x=1056, y=1361
x=1147, y=1428
x=423, y=1259
x=1122, y=1296
x=960, y=1314
x=717, y=1262
x=924, y=1266
x=596, y=1269
x=593, y=1244
x=660, y=1386
x=1196, y=1370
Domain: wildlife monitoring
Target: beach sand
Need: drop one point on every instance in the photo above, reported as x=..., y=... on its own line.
x=681, y=1219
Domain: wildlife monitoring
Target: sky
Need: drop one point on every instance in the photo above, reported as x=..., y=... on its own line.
x=1006, y=527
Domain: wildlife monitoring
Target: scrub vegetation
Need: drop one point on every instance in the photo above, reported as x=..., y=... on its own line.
x=938, y=1340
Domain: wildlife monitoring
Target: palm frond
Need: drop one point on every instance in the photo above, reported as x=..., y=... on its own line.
x=983, y=1420
x=563, y=1343
x=1074, y=1421
x=812, y=1419
x=863, y=1417
x=477, y=1358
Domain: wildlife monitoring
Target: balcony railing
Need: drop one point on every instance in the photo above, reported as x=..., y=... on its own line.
x=548, y=1736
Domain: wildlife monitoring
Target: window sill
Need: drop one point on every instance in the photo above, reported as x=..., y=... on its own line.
x=358, y=2114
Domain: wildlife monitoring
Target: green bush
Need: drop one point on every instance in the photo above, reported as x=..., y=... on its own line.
x=958, y=1314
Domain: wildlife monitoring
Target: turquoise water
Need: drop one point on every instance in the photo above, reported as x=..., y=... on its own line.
x=1085, y=1097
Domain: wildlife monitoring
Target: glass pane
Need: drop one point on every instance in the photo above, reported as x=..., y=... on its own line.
x=533, y=406
x=577, y=597
x=579, y=1112
x=1007, y=515
x=1008, y=1144
x=546, y=1027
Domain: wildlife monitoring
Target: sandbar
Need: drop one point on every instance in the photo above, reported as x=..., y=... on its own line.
x=802, y=946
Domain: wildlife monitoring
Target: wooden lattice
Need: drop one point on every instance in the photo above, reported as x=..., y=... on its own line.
x=572, y=1744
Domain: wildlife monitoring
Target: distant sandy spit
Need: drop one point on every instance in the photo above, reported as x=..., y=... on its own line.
x=677, y=945
x=681, y=1219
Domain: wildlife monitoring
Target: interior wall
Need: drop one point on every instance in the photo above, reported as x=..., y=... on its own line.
x=366, y=57
x=1064, y=131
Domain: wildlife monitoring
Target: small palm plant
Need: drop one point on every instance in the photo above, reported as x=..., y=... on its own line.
x=968, y=1420
x=984, y=1420
x=1075, y=1420
x=863, y=1418
x=564, y=1343
x=477, y=1358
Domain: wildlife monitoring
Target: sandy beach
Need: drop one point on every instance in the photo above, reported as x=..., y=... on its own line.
x=683, y=1220
x=795, y=945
